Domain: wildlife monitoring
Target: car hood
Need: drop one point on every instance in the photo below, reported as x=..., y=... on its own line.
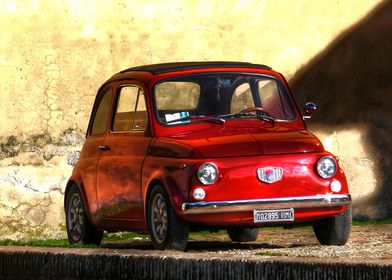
x=236, y=142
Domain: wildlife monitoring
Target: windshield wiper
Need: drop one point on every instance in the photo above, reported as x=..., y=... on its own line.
x=257, y=112
x=210, y=119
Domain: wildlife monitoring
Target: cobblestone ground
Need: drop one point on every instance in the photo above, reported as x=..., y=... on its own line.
x=367, y=244
x=371, y=243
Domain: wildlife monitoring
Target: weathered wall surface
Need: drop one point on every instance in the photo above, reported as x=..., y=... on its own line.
x=351, y=80
x=55, y=54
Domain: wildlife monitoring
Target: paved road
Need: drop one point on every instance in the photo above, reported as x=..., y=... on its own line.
x=277, y=254
x=366, y=244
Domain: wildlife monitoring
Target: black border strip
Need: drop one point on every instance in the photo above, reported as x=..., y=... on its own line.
x=177, y=66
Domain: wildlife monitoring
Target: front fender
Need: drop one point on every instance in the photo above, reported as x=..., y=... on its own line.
x=175, y=175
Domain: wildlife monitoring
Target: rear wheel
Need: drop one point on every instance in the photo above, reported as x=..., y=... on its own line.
x=79, y=228
x=243, y=234
x=335, y=230
x=167, y=230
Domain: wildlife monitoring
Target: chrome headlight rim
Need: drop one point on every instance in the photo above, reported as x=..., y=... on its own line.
x=319, y=166
x=200, y=173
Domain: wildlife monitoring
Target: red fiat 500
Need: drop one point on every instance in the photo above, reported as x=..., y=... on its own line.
x=181, y=146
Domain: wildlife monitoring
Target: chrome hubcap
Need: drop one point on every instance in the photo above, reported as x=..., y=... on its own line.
x=159, y=218
x=76, y=217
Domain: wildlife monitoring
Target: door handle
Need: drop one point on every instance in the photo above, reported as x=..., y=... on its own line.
x=104, y=148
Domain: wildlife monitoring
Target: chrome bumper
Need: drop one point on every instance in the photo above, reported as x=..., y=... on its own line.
x=318, y=201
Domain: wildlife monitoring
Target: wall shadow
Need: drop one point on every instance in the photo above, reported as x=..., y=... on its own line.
x=351, y=82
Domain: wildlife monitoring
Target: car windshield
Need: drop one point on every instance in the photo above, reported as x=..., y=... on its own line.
x=220, y=97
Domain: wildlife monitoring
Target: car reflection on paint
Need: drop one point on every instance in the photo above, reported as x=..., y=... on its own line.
x=204, y=145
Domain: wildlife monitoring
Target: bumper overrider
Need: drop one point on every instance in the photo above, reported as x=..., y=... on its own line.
x=317, y=201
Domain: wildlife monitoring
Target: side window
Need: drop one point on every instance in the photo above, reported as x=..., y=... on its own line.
x=102, y=113
x=130, y=113
x=242, y=98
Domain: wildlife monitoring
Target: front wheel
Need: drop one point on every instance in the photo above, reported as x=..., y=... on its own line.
x=167, y=230
x=335, y=230
x=79, y=228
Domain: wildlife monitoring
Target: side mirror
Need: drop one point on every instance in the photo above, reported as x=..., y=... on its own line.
x=309, y=110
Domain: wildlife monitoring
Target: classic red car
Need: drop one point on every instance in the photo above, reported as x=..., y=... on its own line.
x=176, y=147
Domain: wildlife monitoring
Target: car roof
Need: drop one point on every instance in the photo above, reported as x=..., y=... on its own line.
x=156, y=69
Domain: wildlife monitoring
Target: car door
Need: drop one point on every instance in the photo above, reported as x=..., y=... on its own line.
x=124, y=150
x=90, y=154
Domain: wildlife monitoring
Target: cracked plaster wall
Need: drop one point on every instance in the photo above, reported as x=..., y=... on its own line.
x=54, y=55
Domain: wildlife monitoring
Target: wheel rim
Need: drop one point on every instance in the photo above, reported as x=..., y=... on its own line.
x=76, y=217
x=159, y=218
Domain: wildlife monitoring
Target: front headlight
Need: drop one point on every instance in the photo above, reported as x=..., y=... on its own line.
x=207, y=173
x=326, y=167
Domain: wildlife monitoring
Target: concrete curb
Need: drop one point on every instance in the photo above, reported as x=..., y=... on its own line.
x=50, y=265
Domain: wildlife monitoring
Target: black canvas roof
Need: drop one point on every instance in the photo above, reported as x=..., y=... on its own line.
x=174, y=66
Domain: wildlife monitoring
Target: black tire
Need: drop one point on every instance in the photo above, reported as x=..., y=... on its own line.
x=243, y=234
x=167, y=230
x=79, y=228
x=335, y=230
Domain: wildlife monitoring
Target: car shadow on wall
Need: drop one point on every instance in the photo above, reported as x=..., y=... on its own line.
x=351, y=82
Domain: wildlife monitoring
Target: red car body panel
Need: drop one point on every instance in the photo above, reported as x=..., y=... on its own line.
x=116, y=182
x=237, y=141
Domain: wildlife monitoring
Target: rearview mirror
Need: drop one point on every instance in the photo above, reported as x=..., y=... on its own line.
x=309, y=110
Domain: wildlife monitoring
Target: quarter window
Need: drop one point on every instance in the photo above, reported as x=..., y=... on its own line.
x=101, y=115
x=130, y=113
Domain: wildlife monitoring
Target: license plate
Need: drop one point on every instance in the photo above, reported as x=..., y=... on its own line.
x=278, y=215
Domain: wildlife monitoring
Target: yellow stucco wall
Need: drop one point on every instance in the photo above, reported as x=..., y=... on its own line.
x=55, y=54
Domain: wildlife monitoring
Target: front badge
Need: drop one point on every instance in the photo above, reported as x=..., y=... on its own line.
x=270, y=174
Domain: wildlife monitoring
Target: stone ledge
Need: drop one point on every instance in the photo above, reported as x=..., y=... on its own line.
x=57, y=263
